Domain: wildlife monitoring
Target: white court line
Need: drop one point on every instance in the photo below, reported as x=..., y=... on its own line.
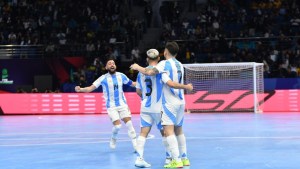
x=21, y=145
x=245, y=137
x=64, y=143
x=150, y=136
x=45, y=139
x=64, y=133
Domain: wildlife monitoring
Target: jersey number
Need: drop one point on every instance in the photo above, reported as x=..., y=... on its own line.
x=149, y=86
x=180, y=75
x=116, y=86
x=179, y=72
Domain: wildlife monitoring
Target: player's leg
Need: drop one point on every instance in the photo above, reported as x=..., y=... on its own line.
x=181, y=137
x=166, y=145
x=146, y=124
x=168, y=120
x=115, y=118
x=157, y=120
x=125, y=115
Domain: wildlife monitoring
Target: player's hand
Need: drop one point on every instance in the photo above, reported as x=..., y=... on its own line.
x=134, y=66
x=190, y=87
x=77, y=88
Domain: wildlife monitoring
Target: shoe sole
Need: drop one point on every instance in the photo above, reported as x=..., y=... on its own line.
x=141, y=166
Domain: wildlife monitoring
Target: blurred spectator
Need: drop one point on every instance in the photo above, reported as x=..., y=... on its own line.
x=135, y=54
x=34, y=90
x=148, y=13
x=82, y=82
x=90, y=48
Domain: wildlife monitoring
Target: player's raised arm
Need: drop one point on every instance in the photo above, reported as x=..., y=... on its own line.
x=85, y=89
x=152, y=53
x=145, y=71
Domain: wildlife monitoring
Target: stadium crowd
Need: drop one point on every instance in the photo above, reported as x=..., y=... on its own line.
x=216, y=31
x=228, y=31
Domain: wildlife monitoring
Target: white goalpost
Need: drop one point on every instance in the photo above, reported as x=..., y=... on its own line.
x=225, y=87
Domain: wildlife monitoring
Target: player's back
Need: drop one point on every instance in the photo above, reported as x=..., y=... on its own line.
x=151, y=87
x=175, y=71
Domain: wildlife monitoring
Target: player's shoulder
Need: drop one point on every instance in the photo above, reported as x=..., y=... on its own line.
x=119, y=73
x=104, y=76
x=141, y=75
x=162, y=62
x=174, y=60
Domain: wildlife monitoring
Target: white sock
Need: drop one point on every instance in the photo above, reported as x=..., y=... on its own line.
x=131, y=132
x=164, y=140
x=115, y=131
x=182, y=145
x=173, y=147
x=140, y=146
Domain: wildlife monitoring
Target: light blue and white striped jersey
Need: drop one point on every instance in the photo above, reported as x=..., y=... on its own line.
x=151, y=87
x=175, y=71
x=113, y=88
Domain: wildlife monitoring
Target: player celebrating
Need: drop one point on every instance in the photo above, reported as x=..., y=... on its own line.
x=117, y=108
x=173, y=105
x=150, y=89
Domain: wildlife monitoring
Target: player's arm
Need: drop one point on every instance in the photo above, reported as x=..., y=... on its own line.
x=176, y=85
x=85, y=89
x=133, y=84
x=166, y=79
x=127, y=81
x=138, y=85
x=145, y=71
x=139, y=92
x=91, y=88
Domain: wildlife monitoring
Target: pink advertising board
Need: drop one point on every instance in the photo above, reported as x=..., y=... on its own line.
x=93, y=103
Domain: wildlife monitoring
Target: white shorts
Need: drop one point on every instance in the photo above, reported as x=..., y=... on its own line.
x=148, y=119
x=172, y=114
x=117, y=113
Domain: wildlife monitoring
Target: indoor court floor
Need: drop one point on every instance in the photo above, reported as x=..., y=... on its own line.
x=214, y=140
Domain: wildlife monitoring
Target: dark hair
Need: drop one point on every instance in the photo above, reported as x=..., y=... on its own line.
x=172, y=47
x=110, y=58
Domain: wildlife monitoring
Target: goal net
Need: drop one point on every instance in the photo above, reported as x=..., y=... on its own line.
x=225, y=87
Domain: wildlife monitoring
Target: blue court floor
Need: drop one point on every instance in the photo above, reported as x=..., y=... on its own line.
x=215, y=141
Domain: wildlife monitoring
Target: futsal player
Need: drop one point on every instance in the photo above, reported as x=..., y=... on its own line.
x=112, y=83
x=173, y=104
x=150, y=89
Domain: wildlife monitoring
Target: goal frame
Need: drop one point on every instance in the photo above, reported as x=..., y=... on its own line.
x=254, y=66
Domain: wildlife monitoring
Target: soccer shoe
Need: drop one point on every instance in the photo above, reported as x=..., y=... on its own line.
x=168, y=160
x=174, y=164
x=112, y=143
x=141, y=163
x=185, y=161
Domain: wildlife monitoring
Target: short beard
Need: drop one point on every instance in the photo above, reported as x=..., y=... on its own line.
x=111, y=71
